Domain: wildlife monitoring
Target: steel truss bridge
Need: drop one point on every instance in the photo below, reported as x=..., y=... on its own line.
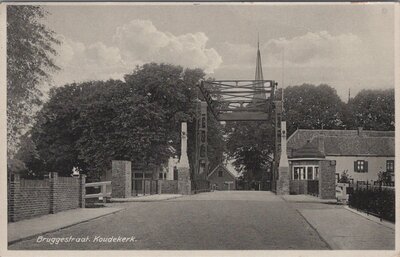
x=236, y=100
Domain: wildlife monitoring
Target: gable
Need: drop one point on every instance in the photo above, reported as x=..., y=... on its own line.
x=225, y=172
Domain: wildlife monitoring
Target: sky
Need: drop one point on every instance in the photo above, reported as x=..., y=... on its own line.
x=347, y=46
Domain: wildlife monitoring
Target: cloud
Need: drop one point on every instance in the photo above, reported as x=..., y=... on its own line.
x=314, y=49
x=140, y=41
x=343, y=61
x=80, y=62
x=134, y=43
x=318, y=49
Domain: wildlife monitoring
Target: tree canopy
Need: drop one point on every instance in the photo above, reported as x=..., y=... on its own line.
x=250, y=144
x=373, y=110
x=89, y=124
x=313, y=107
x=30, y=61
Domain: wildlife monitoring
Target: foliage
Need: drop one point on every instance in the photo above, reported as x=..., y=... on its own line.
x=344, y=177
x=374, y=200
x=373, y=110
x=89, y=124
x=313, y=107
x=29, y=62
x=251, y=145
x=32, y=164
x=384, y=177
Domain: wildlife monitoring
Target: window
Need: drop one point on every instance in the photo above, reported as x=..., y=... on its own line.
x=361, y=166
x=219, y=173
x=307, y=172
x=138, y=175
x=390, y=165
x=316, y=172
x=175, y=173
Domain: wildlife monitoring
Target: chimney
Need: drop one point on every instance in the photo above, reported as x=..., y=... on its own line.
x=359, y=131
x=321, y=144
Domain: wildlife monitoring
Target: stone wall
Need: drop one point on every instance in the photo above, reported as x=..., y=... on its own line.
x=32, y=198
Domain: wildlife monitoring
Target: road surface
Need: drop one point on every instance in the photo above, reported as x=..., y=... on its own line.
x=234, y=220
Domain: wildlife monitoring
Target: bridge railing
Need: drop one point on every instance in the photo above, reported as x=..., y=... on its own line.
x=105, y=190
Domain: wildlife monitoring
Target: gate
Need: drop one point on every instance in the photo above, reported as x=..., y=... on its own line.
x=313, y=187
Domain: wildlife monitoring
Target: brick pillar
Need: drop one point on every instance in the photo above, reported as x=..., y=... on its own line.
x=283, y=183
x=327, y=184
x=121, y=179
x=184, y=183
x=14, y=187
x=53, y=179
x=82, y=190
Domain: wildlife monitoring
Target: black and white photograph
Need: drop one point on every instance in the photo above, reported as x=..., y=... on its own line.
x=198, y=127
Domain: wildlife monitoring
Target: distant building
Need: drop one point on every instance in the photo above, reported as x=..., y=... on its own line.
x=362, y=153
x=222, y=179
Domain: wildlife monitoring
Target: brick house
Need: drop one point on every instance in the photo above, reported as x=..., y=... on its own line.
x=362, y=153
x=222, y=179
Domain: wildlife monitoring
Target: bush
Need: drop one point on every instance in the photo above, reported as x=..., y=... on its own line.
x=376, y=201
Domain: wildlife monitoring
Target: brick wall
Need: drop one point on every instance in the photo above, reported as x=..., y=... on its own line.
x=121, y=179
x=168, y=186
x=298, y=187
x=67, y=193
x=32, y=198
x=327, y=180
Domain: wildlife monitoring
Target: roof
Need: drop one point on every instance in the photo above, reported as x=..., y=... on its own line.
x=309, y=150
x=344, y=142
x=222, y=166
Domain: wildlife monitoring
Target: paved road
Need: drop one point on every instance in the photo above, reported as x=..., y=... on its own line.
x=233, y=220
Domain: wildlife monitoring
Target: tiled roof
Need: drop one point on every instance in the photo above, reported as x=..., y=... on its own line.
x=309, y=150
x=223, y=167
x=345, y=142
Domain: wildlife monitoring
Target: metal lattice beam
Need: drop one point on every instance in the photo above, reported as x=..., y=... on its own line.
x=239, y=100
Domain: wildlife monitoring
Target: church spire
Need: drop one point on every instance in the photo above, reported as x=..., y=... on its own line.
x=259, y=74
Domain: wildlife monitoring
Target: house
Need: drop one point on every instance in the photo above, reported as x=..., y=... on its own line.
x=361, y=153
x=222, y=179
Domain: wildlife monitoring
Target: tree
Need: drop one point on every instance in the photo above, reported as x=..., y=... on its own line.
x=89, y=124
x=313, y=107
x=29, y=62
x=250, y=144
x=373, y=110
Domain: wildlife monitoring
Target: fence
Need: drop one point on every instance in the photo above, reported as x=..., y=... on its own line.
x=200, y=185
x=376, y=200
x=30, y=198
x=100, y=190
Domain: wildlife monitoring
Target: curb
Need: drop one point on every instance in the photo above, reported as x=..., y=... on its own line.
x=318, y=200
x=330, y=247
x=62, y=227
x=136, y=200
x=372, y=218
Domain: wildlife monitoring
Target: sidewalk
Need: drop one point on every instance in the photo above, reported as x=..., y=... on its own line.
x=29, y=228
x=343, y=229
x=146, y=198
x=306, y=199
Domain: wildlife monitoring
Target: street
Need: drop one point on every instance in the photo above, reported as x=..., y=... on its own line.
x=235, y=220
